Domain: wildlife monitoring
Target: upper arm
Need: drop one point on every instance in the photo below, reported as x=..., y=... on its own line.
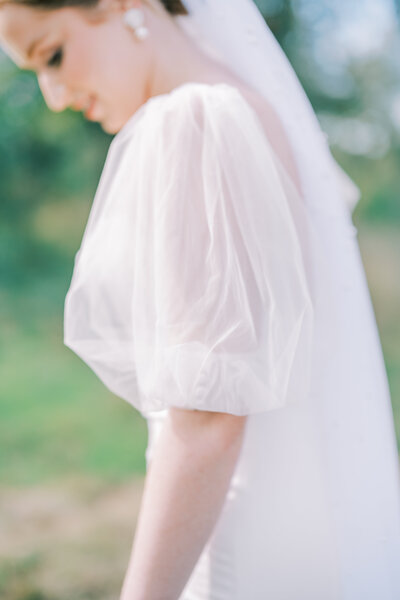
x=190, y=290
x=231, y=298
x=223, y=427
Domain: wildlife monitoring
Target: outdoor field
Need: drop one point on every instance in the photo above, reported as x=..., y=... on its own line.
x=72, y=454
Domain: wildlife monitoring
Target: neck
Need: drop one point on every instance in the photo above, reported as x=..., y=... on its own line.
x=178, y=59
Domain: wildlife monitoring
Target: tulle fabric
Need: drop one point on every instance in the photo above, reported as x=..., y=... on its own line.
x=192, y=286
x=242, y=41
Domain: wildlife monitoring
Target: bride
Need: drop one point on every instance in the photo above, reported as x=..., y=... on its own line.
x=219, y=289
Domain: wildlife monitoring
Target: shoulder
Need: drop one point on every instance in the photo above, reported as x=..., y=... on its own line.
x=188, y=105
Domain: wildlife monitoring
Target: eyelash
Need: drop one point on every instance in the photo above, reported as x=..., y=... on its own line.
x=56, y=59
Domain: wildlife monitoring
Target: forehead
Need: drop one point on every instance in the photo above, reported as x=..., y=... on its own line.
x=21, y=25
x=16, y=19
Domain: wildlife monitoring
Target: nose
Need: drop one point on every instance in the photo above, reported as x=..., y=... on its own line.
x=54, y=93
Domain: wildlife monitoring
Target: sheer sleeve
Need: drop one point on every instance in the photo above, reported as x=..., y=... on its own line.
x=218, y=293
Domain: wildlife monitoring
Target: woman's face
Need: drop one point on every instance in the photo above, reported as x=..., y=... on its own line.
x=83, y=58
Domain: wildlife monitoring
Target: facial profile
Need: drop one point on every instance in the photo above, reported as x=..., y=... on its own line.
x=85, y=58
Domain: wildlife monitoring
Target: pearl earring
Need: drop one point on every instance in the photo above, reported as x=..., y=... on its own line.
x=134, y=19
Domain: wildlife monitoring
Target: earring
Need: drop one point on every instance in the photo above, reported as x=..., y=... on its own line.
x=134, y=19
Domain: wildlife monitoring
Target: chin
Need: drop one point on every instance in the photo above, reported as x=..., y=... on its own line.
x=112, y=129
x=110, y=126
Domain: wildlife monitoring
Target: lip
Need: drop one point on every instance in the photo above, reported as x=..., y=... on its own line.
x=89, y=112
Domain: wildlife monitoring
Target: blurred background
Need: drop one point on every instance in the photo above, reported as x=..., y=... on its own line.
x=72, y=454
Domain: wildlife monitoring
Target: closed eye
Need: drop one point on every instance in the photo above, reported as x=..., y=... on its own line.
x=56, y=58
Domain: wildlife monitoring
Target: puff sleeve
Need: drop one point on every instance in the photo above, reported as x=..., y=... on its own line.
x=200, y=297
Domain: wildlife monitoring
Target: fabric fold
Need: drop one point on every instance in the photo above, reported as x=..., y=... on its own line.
x=191, y=287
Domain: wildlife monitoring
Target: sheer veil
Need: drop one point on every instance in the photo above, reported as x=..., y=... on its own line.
x=236, y=33
x=286, y=241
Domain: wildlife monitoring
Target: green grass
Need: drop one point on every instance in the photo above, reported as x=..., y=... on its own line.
x=380, y=252
x=59, y=420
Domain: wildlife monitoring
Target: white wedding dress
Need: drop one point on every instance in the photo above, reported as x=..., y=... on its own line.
x=204, y=280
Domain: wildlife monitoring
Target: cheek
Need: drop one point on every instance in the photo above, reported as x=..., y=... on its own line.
x=89, y=67
x=112, y=70
x=78, y=66
x=100, y=61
